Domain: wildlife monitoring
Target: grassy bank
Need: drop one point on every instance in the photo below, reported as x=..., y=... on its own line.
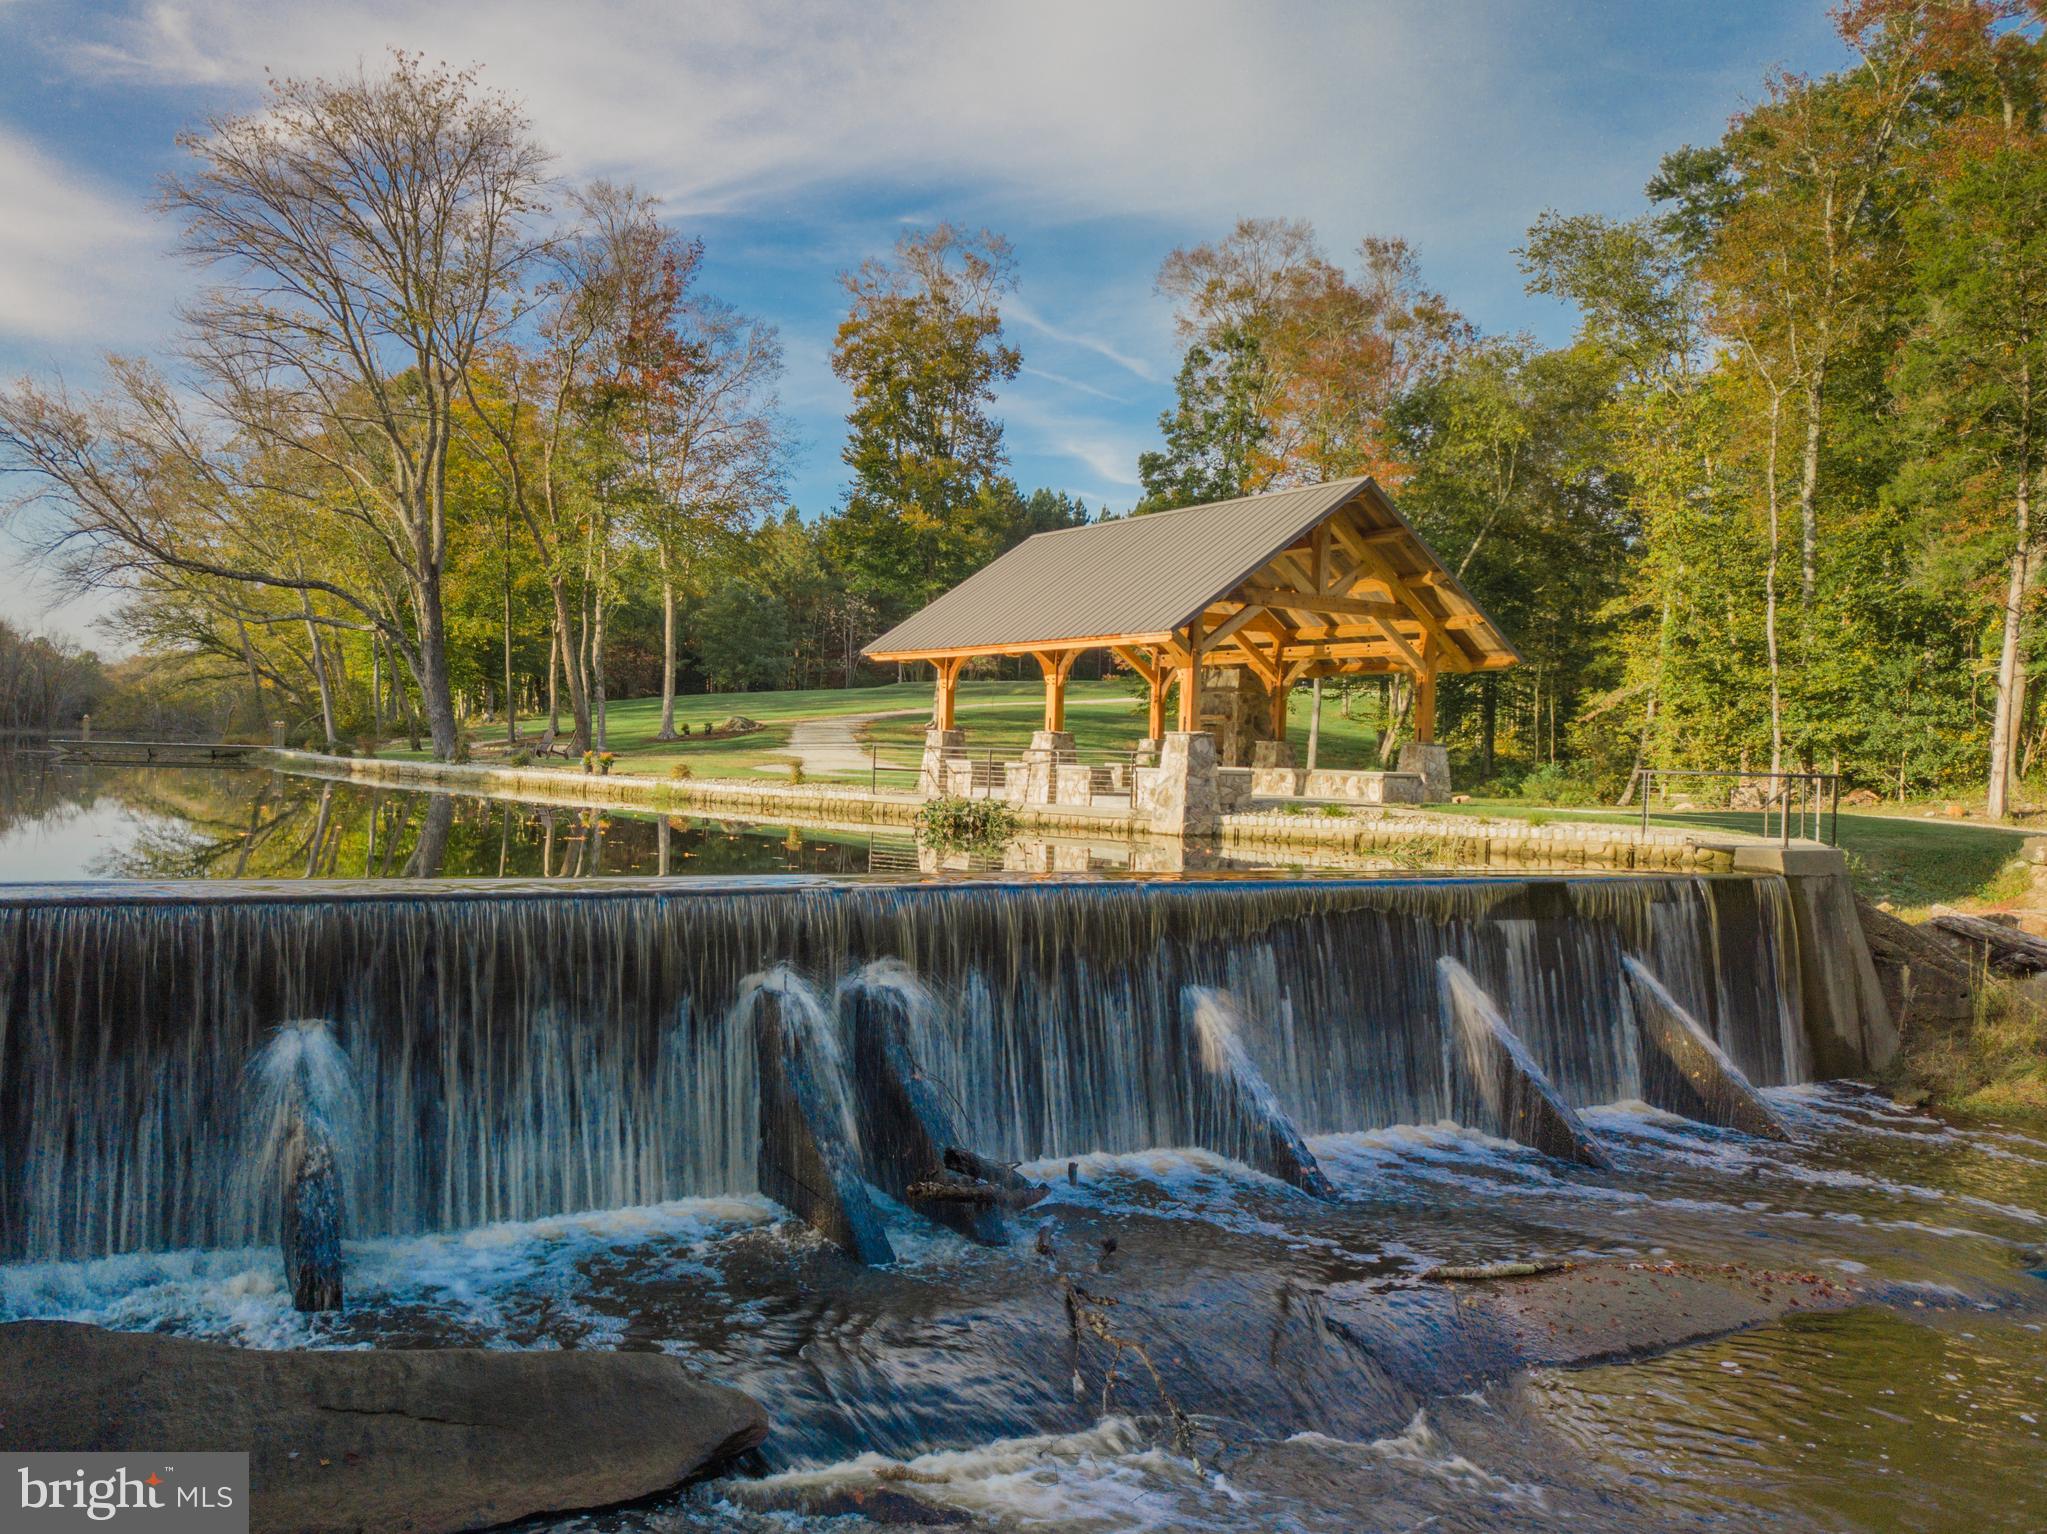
x=1993, y=1066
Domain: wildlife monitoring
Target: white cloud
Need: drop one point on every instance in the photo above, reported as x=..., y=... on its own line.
x=1030, y=319
x=1170, y=108
x=69, y=252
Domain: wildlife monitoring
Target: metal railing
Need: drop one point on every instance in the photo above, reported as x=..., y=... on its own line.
x=1799, y=799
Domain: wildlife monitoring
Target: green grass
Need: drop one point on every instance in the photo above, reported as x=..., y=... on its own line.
x=1911, y=862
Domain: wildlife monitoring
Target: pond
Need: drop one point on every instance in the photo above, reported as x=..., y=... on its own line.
x=62, y=821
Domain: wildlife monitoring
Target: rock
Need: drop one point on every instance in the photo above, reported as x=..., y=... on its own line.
x=1927, y=977
x=1460, y=798
x=874, y=1504
x=411, y=1442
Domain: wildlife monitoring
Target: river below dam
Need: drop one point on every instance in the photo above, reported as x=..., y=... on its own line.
x=546, y=1101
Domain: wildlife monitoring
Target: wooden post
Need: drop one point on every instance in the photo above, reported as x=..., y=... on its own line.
x=1056, y=669
x=1190, y=681
x=1155, y=724
x=942, y=708
x=1425, y=698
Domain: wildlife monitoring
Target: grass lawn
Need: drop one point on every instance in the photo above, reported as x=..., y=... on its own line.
x=1911, y=862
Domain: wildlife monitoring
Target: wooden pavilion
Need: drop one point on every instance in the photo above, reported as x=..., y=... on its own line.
x=1324, y=580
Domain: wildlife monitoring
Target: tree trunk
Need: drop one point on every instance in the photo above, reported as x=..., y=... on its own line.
x=2010, y=670
x=434, y=693
x=511, y=698
x=1770, y=587
x=667, y=730
x=319, y=670
x=1489, y=723
x=1808, y=487
x=579, y=701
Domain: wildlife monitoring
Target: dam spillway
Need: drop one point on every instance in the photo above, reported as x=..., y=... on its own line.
x=519, y=1053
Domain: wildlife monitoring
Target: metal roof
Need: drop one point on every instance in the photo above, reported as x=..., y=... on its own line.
x=1150, y=574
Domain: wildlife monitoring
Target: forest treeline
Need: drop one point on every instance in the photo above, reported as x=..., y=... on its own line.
x=444, y=434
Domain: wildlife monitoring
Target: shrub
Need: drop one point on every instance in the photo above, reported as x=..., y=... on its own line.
x=1551, y=784
x=604, y=761
x=681, y=770
x=685, y=730
x=795, y=769
x=341, y=748
x=1335, y=811
x=366, y=745
x=520, y=758
x=461, y=752
x=963, y=825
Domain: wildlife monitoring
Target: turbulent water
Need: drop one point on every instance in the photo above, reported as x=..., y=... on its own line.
x=545, y=1114
x=1922, y=1411
x=519, y=1055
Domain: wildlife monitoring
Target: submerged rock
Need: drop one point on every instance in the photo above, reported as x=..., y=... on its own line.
x=1495, y=1082
x=1685, y=1072
x=421, y=1441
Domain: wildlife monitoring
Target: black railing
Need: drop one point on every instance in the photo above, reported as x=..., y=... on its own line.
x=1794, y=798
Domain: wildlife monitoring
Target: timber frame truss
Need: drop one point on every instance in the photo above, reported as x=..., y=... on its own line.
x=1357, y=593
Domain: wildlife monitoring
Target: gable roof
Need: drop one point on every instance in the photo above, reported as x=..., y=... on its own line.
x=1147, y=576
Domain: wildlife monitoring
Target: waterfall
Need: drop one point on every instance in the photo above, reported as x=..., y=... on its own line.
x=517, y=1053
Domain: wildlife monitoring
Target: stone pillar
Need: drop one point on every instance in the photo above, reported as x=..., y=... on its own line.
x=1181, y=796
x=1041, y=765
x=1431, y=763
x=940, y=747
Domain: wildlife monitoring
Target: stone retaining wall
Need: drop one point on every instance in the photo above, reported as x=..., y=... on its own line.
x=1459, y=840
x=1468, y=841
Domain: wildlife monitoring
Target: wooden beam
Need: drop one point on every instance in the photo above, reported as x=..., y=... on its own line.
x=1425, y=697
x=1023, y=647
x=1231, y=624
x=1135, y=661
x=1382, y=570
x=1317, y=602
x=1254, y=659
x=1399, y=643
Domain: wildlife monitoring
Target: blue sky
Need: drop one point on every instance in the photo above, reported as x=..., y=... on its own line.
x=796, y=139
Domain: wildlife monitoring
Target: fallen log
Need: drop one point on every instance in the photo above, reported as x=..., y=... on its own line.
x=961, y=1190
x=2010, y=951
x=1000, y=1173
x=1495, y=1270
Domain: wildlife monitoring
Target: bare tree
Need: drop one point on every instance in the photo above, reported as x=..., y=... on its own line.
x=371, y=234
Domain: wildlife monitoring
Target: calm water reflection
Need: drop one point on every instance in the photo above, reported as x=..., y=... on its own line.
x=60, y=821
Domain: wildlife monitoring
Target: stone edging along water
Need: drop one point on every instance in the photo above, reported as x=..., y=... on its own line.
x=1461, y=840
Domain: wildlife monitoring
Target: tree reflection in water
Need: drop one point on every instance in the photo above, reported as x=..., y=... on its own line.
x=179, y=823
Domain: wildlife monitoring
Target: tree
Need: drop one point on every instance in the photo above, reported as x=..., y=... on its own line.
x=1974, y=376
x=922, y=349
x=1292, y=365
x=372, y=233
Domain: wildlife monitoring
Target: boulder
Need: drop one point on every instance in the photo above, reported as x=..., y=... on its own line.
x=402, y=1442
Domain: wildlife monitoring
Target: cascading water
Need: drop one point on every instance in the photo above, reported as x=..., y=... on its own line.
x=518, y=1055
